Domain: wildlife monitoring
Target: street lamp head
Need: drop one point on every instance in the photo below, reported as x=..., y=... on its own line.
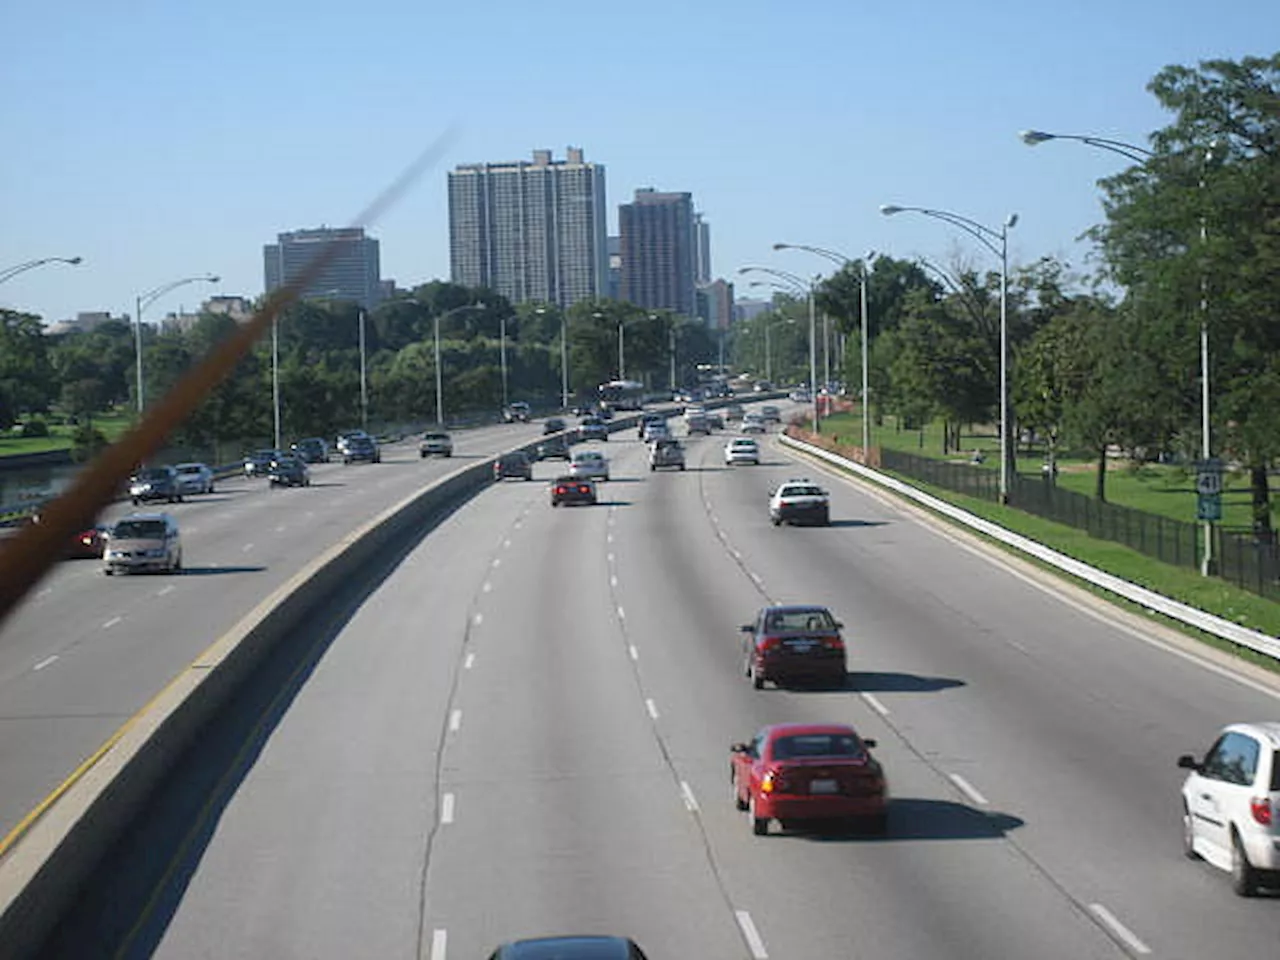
x=1011, y=221
x=75, y=260
x=1032, y=137
x=782, y=246
x=214, y=279
x=889, y=209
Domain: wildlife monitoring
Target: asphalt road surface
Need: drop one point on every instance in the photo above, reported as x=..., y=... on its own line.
x=524, y=731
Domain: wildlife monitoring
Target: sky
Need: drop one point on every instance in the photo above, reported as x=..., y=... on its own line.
x=163, y=140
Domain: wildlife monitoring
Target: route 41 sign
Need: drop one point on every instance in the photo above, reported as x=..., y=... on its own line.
x=1209, y=489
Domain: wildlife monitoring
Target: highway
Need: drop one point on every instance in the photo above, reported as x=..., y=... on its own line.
x=524, y=729
x=86, y=651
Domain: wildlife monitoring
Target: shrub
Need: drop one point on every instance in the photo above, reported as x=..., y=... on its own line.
x=35, y=428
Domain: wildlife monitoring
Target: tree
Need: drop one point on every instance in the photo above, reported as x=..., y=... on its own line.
x=25, y=368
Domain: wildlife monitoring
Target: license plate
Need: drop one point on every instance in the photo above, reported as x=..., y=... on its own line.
x=801, y=646
x=824, y=786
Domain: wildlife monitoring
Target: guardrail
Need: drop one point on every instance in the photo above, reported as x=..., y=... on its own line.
x=1216, y=626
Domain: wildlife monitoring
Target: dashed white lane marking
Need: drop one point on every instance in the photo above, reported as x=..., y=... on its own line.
x=45, y=662
x=478, y=619
x=446, y=808
x=439, y=943
x=165, y=591
x=690, y=801
x=497, y=562
x=737, y=554
x=635, y=654
x=1017, y=646
x=875, y=704
x=968, y=789
x=608, y=538
x=750, y=934
x=469, y=662
x=758, y=579
x=622, y=614
x=44, y=593
x=455, y=721
x=246, y=548
x=280, y=529
x=609, y=557
x=613, y=581
x=310, y=514
x=111, y=623
x=487, y=586
x=652, y=708
x=506, y=544
x=1118, y=929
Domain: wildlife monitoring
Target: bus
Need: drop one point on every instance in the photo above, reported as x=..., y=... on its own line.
x=621, y=395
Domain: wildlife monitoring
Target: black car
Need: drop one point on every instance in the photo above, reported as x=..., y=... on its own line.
x=573, y=490
x=554, y=448
x=311, y=450
x=794, y=644
x=516, y=464
x=154, y=483
x=361, y=448
x=593, y=428
x=553, y=425
x=570, y=948
x=289, y=472
x=257, y=464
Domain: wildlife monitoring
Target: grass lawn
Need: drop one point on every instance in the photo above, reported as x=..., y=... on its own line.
x=112, y=426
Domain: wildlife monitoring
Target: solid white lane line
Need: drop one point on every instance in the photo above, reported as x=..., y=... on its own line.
x=44, y=593
x=446, y=808
x=749, y=933
x=280, y=529
x=622, y=614
x=111, y=623
x=635, y=654
x=613, y=581
x=164, y=591
x=45, y=662
x=652, y=708
x=439, y=943
x=1118, y=929
x=455, y=721
x=469, y=662
x=246, y=548
x=968, y=789
x=875, y=704
x=608, y=538
x=487, y=586
x=690, y=801
x=478, y=619
x=609, y=557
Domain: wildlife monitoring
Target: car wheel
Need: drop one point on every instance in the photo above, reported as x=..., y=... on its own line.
x=738, y=802
x=682, y=468
x=757, y=678
x=177, y=564
x=107, y=571
x=1188, y=835
x=422, y=454
x=652, y=468
x=776, y=521
x=759, y=825
x=135, y=501
x=1244, y=876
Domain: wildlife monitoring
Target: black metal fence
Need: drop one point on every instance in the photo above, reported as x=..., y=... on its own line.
x=1248, y=561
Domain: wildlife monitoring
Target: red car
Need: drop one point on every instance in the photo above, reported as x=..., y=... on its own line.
x=794, y=644
x=793, y=772
x=567, y=490
x=88, y=544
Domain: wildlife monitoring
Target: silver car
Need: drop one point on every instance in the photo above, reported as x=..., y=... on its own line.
x=589, y=464
x=141, y=542
x=194, y=478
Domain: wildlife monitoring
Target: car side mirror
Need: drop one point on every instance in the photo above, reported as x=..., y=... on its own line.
x=740, y=748
x=868, y=743
x=839, y=625
x=747, y=628
x=1188, y=762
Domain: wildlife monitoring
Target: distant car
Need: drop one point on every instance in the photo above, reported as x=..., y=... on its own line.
x=154, y=483
x=361, y=448
x=257, y=464
x=516, y=412
x=143, y=541
x=436, y=443
x=589, y=463
x=194, y=478
x=311, y=450
x=572, y=490
x=656, y=430
x=742, y=450
x=344, y=440
x=666, y=453
x=1231, y=805
x=794, y=644
x=517, y=465
x=770, y=414
x=647, y=419
x=799, y=396
x=800, y=501
x=289, y=472
x=593, y=428
x=88, y=544
x=762, y=386
x=553, y=425
x=734, y=411
x=570, y=948
x=715, y=419
x=698, y=424
x=753, y=423
x=555, y=447
x=798, y=772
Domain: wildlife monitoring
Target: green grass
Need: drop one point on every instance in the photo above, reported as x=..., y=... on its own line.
x=112, y=426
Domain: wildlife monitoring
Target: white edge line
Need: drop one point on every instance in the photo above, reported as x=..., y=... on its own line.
x=111, y=623
x=622, y=614
x=613, y=581
x=968, y=789
x=1118, y=929
x=478, y=619
x=690, y=801
x=487, y=586
x=749, y=933
x=45, y=662
x=439, y=943
x=635, y=654
x=455, y=721
x=652, y=708
x=446, y=808
x=875, y=704
x=164, y=591
x=469, y=662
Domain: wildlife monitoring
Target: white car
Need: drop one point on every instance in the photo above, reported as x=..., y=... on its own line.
x=753, y=423
x=656, y=430
x=742, y=450
x=194, y=478
x=1231, y=805
x=800, y=501
x=589, y=464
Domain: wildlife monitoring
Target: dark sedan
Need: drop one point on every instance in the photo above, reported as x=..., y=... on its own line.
x=312, y=450
x=553, y=425
x=289, y=472
x=572, y=490
x=517, y=465
x=554, y=448
x=361, y=448
x=593, y=428
x=794, y=644
x=570, y=948
x=154, y=483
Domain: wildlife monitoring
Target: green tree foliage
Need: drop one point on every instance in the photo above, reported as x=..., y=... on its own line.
x=26, y=373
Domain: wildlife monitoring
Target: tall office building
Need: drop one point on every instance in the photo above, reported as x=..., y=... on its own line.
x=715, y=304
x=701, y=250
x=658, y=259
x=352, y=272
x=614, y=287
x=530, y=230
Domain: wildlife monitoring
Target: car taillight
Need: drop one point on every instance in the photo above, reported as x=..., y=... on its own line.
x=562, y=489
x=1260, y=807
x=583, y=488
x=775, y=781
x=833, y=643
x=770, y=643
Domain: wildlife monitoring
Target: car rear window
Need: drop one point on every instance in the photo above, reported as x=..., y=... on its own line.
x=785, y=620
x=189, y=468
x=817, y=745
x=156, y=473
x=138, y=530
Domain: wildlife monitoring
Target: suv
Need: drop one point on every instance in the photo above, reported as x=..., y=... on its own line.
x=666, y=453
x=517, y=412
x=361, y=447
x=436, y=443
x=1231, y=805
x=143, y=541
x=800, y=501
x=154, y=483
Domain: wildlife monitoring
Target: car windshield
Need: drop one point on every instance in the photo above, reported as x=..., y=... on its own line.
x=155, y=473
x=748, y=444
x=588, y=455
x=436, y=436
x=138, y=530
x=817, y=745
x=784, y=621
x=801, y=492
x=188, y=468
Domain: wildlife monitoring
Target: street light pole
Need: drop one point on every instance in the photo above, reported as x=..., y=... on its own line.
x=10, y=272
x=502, y=357
x=622, y=353
x=439, y=378
x=671, y=342
x=997, y=241
x=140, y=304
x=275, y=378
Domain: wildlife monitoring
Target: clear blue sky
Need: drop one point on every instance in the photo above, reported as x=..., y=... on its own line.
x=164, y=139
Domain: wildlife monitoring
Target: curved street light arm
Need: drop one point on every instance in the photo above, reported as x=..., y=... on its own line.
x=799, y=283
x=152, y=296
x=10, y=272
x=979, y=231
x=1130, y=151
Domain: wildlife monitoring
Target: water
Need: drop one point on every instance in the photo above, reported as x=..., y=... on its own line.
x=18, y=486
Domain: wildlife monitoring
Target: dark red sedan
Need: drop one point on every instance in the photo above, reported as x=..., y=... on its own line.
x=797, y=772
x=794, y=644
x=88, y=544
x=569, y=490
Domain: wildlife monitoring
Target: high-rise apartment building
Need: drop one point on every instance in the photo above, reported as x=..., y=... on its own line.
x=701, y=250
x=352, y=271
x=613, y=289
x=658, y=258
x=530, y=230
x=715, y=304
